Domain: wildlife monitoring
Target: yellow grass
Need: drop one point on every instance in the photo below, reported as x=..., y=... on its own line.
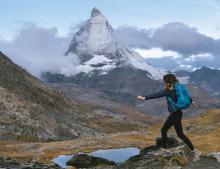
x=204, y=133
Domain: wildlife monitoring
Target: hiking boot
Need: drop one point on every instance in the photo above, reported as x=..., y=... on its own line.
x=196, y=154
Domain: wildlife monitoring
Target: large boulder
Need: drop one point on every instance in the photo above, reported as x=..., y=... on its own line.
x=85, y=161
x=171, y=142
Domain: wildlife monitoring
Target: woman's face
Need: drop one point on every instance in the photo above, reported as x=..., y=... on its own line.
x=169, y=86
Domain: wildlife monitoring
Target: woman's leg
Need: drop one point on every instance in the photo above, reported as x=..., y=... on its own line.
x=168, y=123
x=179, y=129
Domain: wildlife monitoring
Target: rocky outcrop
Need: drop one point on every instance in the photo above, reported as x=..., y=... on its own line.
x=178, y=156
x=86, y=161
x=9, y=163
x=154, y=158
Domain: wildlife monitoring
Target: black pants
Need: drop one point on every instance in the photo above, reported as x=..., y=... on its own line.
x=175, y=120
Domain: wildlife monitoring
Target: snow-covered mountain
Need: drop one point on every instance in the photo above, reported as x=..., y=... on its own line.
x=99, y=50
x=116, y=71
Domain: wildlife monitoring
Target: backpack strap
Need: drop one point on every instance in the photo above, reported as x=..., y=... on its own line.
x=172, y=103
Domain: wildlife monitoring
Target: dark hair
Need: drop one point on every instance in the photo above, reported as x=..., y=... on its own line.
x=171, y=79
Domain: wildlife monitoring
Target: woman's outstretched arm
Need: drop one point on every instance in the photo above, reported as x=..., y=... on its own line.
x=161, y=93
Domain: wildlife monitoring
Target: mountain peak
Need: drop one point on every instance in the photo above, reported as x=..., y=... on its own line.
x=94, y=37
x=95, y=42
x=95, y=12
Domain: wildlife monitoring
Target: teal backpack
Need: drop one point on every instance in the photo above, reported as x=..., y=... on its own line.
x=183, y=97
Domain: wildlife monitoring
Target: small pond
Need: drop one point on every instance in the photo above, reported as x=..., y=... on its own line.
x=116, y=155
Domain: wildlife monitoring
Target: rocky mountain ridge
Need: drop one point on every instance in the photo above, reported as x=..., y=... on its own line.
x=32, y=111
x=205, y=77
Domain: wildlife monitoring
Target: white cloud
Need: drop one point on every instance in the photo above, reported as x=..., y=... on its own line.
x=186, y=67
x=156, y=53
x=203, y=56
x=39, y=49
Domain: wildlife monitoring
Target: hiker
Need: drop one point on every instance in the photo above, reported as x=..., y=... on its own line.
x=175, y=117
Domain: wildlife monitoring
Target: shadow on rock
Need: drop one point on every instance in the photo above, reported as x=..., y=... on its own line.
x=86, y=161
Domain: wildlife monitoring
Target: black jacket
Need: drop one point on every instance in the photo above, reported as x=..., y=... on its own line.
x=165, y=92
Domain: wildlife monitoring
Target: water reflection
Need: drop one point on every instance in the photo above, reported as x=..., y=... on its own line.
x=116, y=155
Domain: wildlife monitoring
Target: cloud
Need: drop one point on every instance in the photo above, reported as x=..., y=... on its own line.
x=184, y=44
x=134, y=37
x=188, y=63
x=166, y=62
x=156, y=53
x=184, y=40
x=39, y=49
x=173, y=36
x=202, y=56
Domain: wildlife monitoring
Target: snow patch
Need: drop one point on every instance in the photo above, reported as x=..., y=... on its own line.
x=98, y=59
x=88, y=66
x=138, y=62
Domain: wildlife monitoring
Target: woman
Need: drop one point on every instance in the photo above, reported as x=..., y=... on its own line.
x=175, y=117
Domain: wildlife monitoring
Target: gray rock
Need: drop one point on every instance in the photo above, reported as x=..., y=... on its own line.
x=9, y=163
x=85, y=161
x=205, y=162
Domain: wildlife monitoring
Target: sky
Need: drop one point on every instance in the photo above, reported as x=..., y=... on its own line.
x=203, y=14
x=36, y=33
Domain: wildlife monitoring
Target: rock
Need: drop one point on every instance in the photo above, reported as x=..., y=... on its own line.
x=70, y=167
x=85, y=161
x=176, y=158
x=205, y=162
x=180, y=155
x=173, y=167
x=171, y=142
x=216, y=156
x=9, y=163
x=149, y=149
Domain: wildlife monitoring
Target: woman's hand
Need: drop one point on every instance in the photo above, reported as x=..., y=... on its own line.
x=141, y=97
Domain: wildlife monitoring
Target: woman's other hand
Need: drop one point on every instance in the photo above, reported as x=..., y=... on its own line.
x=141, y=97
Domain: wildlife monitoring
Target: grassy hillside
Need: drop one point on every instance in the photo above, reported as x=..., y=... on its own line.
x=204, y=131
x=32, y=111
